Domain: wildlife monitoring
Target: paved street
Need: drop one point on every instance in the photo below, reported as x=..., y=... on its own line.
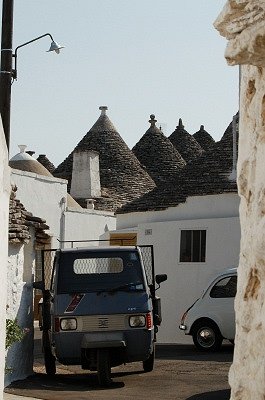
x=180, y=373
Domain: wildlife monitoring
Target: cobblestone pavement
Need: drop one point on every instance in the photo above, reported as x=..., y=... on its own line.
x=180, y=373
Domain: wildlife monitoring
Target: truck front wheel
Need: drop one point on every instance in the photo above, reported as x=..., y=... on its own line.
x=104, y=367
x=148, y=364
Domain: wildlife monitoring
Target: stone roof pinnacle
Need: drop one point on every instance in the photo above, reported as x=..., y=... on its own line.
x=103, y=109
x=152, y=120
x=180, y=125
x=22, y=148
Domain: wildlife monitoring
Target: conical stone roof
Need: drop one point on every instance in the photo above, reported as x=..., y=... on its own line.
x=25, y=162
x=160, y=158
x=204, y=139
x=207, y=175
x=121, y=175
x=43, y=160
x=185, y=143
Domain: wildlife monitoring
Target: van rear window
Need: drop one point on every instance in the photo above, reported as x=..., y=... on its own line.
x=91, y=271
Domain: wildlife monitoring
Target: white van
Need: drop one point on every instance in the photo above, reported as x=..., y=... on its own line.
x=212, y=317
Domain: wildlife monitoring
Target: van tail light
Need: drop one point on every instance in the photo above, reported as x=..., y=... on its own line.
x=56, y=324
x=149, y=321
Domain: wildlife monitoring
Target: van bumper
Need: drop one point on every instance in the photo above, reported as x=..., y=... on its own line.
x=135, y=345
x=103, y=340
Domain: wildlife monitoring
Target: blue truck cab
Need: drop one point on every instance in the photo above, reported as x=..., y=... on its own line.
x=99, y=308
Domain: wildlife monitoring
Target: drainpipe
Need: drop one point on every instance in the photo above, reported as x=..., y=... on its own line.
x=62, y=222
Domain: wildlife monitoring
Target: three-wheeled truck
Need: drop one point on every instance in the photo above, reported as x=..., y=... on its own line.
x=99, y=308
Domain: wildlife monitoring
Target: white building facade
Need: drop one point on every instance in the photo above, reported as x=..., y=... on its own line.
x=213, y=216
x=47, y=198
x=4, y=201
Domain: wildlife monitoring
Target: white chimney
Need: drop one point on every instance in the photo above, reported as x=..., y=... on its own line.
x=85, y=175
x=90, y=204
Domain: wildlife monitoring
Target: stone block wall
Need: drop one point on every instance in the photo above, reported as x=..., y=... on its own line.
x=242, y=23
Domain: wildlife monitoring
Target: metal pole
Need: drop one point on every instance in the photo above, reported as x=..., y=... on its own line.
x=6, y=66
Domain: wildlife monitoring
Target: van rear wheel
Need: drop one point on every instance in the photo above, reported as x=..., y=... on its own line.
x=148, y=364
x=104, y=367
x=49, y=359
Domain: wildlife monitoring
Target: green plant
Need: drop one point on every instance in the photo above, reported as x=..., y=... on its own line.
x=13, y=332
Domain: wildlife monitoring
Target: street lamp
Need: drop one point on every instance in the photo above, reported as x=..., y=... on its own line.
x=54, y=47
x=7, y=73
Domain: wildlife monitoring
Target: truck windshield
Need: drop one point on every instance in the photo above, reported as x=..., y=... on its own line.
x=98, y=271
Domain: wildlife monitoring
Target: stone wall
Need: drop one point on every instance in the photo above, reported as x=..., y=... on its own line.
x=4, y=200
x=242, y=23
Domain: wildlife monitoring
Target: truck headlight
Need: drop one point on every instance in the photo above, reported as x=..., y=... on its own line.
x=68, y=324
x=137, y=321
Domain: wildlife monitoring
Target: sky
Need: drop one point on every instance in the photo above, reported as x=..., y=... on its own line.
x=138, y=57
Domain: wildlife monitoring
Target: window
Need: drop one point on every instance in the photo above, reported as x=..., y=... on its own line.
x=85, y=271
x=226, y=287
x=98, y=265
x=192, y=246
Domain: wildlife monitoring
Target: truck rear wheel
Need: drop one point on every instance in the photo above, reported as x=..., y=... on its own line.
x=103, y=367
x=148, y=364
x=49, y=359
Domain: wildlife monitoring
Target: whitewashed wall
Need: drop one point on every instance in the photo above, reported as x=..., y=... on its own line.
x=187, y=280
x=4, y=207
x=218, y=214
x=20, y=306
x=197, y=207
x=43, y=196
x=87, y=225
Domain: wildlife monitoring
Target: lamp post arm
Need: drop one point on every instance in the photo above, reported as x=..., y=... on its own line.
x=25, y=44
x=33, y=40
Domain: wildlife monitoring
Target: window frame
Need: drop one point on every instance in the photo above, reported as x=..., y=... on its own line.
x=94, y=262
x=192, y=229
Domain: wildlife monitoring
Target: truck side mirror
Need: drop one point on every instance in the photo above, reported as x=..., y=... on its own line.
x=161, y=278
x=38, y=285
